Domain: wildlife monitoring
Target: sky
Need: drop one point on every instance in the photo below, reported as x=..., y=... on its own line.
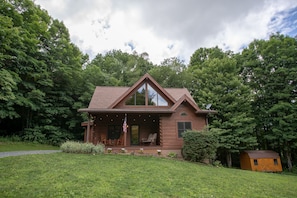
x=171, y=28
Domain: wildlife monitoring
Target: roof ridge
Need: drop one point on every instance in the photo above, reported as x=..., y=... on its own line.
x=113, y=86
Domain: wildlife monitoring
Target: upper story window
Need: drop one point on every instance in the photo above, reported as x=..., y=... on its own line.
x=138, y=98
x=146, y=95
x=154, y=98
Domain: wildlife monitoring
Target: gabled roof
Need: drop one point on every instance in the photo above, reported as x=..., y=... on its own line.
x=185, y=98
x=105, y=98
x=146, y=77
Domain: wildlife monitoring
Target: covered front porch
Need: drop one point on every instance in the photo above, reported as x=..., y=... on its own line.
x=109, y=129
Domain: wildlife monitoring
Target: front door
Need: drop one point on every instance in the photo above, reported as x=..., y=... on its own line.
x=134, y=135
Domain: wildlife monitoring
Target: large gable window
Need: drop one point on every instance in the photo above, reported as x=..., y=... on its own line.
x=138, y=98
x=146, y=95
x=154, y=98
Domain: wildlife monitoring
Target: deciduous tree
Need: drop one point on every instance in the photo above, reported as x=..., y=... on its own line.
x=216, y=81
x=270, y=69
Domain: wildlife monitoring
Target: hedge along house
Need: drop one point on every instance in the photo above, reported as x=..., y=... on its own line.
x=125, y=116
x=260, y=160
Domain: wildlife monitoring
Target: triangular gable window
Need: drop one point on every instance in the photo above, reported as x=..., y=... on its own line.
x=146, y=95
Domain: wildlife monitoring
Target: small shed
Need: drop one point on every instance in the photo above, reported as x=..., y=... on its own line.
x=260, y=160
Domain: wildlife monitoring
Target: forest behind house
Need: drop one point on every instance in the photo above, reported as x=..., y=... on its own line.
x=45, y=79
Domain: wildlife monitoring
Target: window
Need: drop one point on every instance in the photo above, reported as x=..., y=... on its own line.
x=146, y=95
x=154, y=98
x=138, y=98
x=255, y=162
x=275, y=162
x=182, y=127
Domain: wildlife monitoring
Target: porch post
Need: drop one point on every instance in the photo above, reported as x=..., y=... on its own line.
x=125, y=130
x=125, y=139
x=88, y=129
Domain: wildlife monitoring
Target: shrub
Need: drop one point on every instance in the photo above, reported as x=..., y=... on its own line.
x=47, y=134
x=98, y=149
x=13, y=138
x=199, y=146
x=217, y=163
x=55, y=135
x=34, y=135
x=172, y=155
x=77, y=147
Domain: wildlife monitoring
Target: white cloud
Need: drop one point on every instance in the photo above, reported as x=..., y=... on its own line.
x=167, y=28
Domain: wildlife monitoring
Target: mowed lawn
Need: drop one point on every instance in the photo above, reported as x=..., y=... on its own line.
x=24, y=146
x=116, y=175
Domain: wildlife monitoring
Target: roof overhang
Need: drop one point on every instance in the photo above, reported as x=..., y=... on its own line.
x=163, y=111
x=206, y=112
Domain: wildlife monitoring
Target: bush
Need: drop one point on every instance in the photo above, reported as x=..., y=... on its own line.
x=77, y=147
x=46, y=135
x=199, y=146
x=172, y=155
x=217, y=163
x=55, y=135
x=13, y=138
x=34, y=135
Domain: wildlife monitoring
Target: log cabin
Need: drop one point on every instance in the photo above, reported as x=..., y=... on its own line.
x=127, y=117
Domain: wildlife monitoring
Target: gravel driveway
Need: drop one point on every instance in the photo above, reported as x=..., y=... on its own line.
x=17, y=153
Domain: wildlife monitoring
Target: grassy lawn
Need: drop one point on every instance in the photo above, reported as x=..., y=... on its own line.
x=81, y=175
x=24, y=146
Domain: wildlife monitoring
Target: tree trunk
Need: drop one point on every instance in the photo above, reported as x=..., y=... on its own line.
x=229, y=159
x=288, y=156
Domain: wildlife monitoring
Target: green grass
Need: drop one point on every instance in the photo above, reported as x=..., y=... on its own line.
x=24, y=146
x=110, y=175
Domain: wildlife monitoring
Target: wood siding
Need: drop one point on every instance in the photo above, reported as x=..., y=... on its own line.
x=165, y=125
x=168, y=125
x=264, y=164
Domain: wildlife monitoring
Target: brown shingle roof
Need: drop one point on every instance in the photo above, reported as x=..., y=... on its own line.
x=256, y=154
x=103, y=96
x=177, y=93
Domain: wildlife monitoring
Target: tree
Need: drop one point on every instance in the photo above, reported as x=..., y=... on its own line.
x=269, y=68
x=216, y=81
x=171, y=73
x=24, y=27
x=120, y=68
x=40, y=70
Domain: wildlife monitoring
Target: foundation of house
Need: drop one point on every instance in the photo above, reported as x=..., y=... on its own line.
x=143, y=150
